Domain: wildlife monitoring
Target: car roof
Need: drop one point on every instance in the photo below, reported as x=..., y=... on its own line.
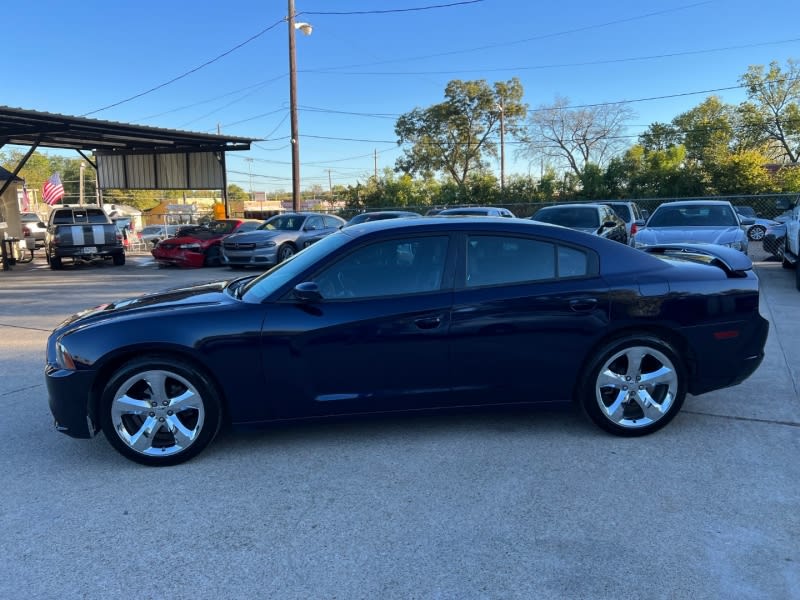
x=696, y=202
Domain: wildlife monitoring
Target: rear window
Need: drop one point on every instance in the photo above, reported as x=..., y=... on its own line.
x=623, y=211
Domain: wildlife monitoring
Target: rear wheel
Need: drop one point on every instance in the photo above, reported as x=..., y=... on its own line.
x=634, y=386
x=159, y=411
x=119, y=259
x=55, y=263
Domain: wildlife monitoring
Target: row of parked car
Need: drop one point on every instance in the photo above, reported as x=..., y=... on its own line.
x=240, y=243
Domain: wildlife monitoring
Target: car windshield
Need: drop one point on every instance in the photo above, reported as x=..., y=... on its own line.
x=700, y=215
x=284, y=223
x=29, y=218
x=221, y=227
x=572, y=216
x=746, y=211
x=264, y=285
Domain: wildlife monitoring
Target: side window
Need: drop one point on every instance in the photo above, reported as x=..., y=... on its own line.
x=313, y=224
x=388, y=268
x=331, y=222
x=494, y=260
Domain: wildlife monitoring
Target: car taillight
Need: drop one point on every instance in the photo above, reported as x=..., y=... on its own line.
x=634, y=228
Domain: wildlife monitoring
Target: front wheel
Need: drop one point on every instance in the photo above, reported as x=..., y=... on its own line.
x=634, y=386
x=55, y=263
x=213, y=257
x=756, y=233
x=119, y=259
x=285, y=252
x=159, y=411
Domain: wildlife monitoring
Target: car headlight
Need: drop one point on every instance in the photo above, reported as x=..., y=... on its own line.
x=193, y=247
x=268, y=244
x=64, y=359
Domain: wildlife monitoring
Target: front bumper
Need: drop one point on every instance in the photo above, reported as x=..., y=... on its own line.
x=69, y=394
x=181, y=258
x=260, y=257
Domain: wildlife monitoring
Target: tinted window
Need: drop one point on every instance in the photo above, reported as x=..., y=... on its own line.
x=623, y=211
x=570, y=216
x=285, y=222
x=248, y=226
x=700, y=215
x=493, y=260
x=387, y=268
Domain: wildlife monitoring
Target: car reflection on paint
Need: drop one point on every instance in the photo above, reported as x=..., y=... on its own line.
x=509, y=310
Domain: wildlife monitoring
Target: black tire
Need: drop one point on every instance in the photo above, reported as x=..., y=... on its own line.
x=617, y=401
x=785, y=262
x=55, y=263
x=286, y=251
x=119, y=259
x=213, y=257
x=167, y=383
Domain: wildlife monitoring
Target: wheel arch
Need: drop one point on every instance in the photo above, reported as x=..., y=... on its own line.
x=121, y=356
x=670, y=336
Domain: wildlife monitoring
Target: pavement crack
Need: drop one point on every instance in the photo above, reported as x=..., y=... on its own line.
x=22, y=389
x=23, y=327
x=737, y=418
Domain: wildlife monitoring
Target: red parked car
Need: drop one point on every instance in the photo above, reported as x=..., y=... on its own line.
x=200, y=247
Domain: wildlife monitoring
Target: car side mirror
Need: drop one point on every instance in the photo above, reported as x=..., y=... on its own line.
x=308, y=291
x=747, y=221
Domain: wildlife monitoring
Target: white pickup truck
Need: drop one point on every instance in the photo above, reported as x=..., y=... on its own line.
x=791, y=250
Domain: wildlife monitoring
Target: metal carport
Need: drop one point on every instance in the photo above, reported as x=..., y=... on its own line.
x=126, y=156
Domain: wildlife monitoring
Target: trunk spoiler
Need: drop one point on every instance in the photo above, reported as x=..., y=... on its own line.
x=734, y=262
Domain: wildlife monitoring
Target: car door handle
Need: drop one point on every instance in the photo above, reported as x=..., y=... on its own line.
x=582, y=304
x=428, y=322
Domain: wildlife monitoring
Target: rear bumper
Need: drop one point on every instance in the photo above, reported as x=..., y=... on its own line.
x=728, y=362
x=81, y=251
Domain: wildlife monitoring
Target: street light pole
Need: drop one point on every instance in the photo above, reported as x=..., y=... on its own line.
x=295, y=142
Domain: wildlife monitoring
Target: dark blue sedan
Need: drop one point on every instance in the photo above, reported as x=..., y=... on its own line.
x=401, y=315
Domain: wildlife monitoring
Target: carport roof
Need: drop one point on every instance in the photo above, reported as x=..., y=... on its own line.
x=50, y=130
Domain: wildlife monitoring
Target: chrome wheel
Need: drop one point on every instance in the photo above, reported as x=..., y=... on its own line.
x=756, y=233
x=636, y=387
x=157, y=413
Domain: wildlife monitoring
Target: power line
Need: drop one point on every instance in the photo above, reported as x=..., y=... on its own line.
x=389, y=10
x=187, y=73
x=334, y=71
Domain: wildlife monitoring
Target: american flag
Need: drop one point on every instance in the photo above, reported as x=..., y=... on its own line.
x=52, y=190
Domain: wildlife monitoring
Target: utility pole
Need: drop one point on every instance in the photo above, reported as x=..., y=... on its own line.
x=502, y=150
x=293, y=112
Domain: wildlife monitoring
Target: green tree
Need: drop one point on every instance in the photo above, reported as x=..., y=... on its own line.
x=742, y=172
x=707, y=131
x=454, y=136
x=236, y=192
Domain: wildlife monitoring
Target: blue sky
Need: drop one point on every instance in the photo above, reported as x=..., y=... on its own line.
x=76, y=58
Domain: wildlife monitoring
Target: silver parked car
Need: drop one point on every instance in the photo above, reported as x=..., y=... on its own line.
x=693, y=221
x=152, y=234
x=33, y=227
x=277, y=239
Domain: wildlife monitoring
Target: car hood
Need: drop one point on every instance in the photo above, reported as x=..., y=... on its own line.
x=259, y=235
x=672, y=235
x=203, y=294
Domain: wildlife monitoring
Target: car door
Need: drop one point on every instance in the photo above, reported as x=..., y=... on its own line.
x=378, y=338
x=525, y=312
